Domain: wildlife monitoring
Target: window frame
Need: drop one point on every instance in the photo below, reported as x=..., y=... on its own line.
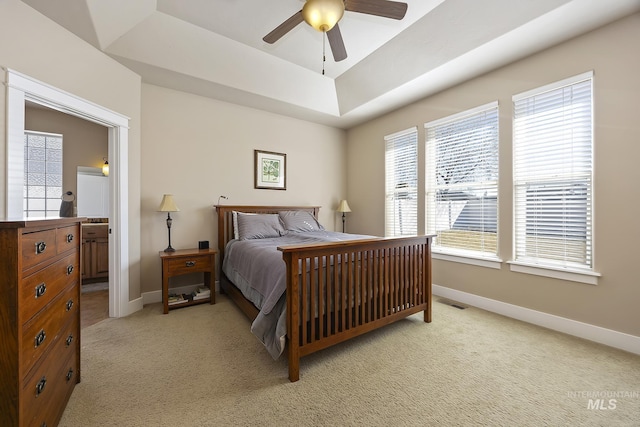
x=539, y=265
x=28, y=201
x=448, y=253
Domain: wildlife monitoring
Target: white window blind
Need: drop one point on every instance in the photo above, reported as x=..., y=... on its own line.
x=462, y=181
x=401, y=183
x=553, y=167
x=42, y=174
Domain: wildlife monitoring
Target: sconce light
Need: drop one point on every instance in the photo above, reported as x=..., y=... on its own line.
x=168, y=205
x=105, y=167
x=343, y=207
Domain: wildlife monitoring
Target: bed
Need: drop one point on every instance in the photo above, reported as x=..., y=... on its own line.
x=331, y=286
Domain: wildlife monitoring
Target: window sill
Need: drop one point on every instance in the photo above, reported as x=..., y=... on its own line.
x=489, y=262
x=588, y=277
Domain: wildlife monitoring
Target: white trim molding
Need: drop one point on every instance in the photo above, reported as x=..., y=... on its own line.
x=619, y=340
x=22, y=88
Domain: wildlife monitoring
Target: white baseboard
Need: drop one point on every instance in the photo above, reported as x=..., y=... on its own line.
x=600, y=335
x=135, y=305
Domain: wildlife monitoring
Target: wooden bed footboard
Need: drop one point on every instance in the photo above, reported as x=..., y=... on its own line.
x=337, y=291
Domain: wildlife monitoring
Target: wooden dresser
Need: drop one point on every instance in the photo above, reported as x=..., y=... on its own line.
x=39, y=319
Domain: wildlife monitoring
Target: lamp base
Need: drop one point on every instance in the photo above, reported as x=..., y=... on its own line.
x=169, y=249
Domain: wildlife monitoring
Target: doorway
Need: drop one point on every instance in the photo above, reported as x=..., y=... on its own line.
x=22, y=89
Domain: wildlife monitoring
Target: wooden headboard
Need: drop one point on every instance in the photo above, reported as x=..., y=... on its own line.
x=225, y=219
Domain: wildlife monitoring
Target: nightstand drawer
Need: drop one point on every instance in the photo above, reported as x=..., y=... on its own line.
x=184, y=265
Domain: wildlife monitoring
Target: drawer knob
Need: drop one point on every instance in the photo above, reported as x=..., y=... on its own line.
x=69, y=340
x=69, y=375
x=190, y=263
x=69, y=238
x=41, y=289
x=69, y=270
x=69, y=304
x=40, y=338
x=40, y=386
x=40, y=247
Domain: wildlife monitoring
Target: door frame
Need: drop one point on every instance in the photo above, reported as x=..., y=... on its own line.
x=22, y=88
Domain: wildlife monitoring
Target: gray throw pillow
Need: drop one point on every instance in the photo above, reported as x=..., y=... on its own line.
x=251, y=226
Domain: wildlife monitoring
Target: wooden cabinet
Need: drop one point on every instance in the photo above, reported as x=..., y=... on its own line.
x=39, y=319
x=95, y=252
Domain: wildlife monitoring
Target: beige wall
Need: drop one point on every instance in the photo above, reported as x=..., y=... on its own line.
x=84, y=143
x=198, y=149
x=612, y=53
x=39, y=48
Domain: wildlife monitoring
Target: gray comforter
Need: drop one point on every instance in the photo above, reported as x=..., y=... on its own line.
x=256, y=267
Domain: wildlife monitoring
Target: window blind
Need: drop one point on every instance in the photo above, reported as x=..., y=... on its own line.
x=553, y=167
x=462, y=181
x=401, y=183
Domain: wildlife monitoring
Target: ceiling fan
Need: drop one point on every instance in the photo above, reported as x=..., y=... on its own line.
x=323, y=15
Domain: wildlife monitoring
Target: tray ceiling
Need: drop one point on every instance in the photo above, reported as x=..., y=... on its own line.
x=214, y=48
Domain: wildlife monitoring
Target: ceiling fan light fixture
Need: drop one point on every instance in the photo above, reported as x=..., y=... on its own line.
x=323, y=14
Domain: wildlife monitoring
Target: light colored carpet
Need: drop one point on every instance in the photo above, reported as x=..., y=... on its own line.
x=200, y=366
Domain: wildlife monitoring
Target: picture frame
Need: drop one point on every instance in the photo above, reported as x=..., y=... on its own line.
x=270, y=170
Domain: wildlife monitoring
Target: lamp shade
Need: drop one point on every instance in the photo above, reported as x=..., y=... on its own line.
x=344, y=206
x=167, y=204
x=323, y=14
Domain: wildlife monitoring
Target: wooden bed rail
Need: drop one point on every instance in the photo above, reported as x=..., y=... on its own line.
x=336, y=291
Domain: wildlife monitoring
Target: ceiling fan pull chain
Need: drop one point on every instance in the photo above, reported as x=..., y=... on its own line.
x=324, y=59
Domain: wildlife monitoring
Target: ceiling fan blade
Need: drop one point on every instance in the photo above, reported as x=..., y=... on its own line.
x=284, y=28
x=337, y=44
x=384, y=8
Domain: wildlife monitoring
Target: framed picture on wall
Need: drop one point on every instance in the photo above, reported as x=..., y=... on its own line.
x=270, y=170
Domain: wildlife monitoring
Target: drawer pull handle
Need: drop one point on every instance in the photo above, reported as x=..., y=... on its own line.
x=43, y=424
x=40, y=386
x=40, y=338
x=69, y=270
x=69, y=375
x=190, y=263
x=69, y=340
x=69, y=304
x=41, y=289
x=69, y=238
x=40, y=247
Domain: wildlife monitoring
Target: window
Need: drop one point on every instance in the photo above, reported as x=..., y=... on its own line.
x=401, y=183
x=42, y=174
x=462, y=182
x=553, y=167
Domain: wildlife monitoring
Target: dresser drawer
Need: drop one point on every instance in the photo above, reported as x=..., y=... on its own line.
x=38, y=289
x=67, y=238
x=38, y=247
x=184, y=265
x=44, y=329
x=46, y=392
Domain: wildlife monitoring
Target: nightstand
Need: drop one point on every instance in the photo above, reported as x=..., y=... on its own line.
x=185, y=261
